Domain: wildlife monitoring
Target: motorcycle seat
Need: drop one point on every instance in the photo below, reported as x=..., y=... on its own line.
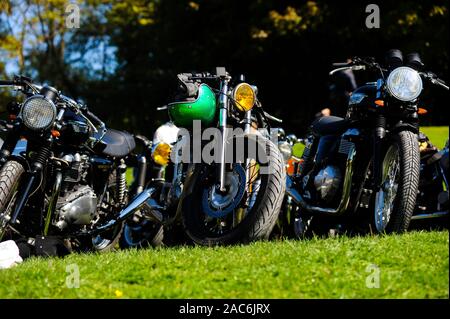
x=118, y=143
x=329, y=125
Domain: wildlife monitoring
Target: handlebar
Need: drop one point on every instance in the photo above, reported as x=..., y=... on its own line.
x=272, y=118
x=434, y=79
x=347, y=67
x=221, y=73
x=94, y=118
x=440, y=83
x=341, y=64
x=357, y=64
x=7, y=83
x=162, y=108
x=199, y=76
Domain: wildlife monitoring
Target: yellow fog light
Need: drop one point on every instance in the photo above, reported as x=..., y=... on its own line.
x=161, y=154
x=244, y=97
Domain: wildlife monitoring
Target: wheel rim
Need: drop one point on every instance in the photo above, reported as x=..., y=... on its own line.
x=102, y=242
x=385, y=197
x=224, y=212
x=7, y=212
x=139, y=234
x=217, y=204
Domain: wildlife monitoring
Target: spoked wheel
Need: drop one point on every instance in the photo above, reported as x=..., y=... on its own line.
x=247, y=210
x=10, y=176
x=395, y=200
x=106, y=241
x=385, y=197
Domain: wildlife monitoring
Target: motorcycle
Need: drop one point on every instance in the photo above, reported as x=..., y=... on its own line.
x=163, y=178
x=227, y=190
x=433, y=197
x=369, y=159
x=62, y=171
x=291, y=150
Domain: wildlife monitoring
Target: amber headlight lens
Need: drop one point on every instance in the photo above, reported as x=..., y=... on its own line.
x=161, y=154
x=38, y=113
x=244, y=97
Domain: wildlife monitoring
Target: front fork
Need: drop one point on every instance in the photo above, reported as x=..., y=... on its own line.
x=378, y=136
x=36, y=172
x=247, y=130
x=223, y=114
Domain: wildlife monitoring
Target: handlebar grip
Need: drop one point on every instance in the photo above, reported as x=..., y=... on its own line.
x=272, y=118
x=162, y=108
x=8, y=82
x=442, y=84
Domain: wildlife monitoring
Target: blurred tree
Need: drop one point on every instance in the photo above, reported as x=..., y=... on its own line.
x=124, y=57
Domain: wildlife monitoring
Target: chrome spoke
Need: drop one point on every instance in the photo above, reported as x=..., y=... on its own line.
x=385, y=197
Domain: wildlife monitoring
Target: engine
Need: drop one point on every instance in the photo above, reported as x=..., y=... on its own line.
x=327, y=183
x=77, y=207
x=77, y=201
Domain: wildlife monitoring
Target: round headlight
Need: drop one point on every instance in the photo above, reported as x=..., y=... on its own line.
x=167, y=133
x=244, y=97
x=38, y=113
x=161, y=153
x=404, y=84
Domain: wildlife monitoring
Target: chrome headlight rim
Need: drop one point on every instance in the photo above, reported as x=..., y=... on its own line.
x=395, y=91
x=27, y=122
x=285, y=149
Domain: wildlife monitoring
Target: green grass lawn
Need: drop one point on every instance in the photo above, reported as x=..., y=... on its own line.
x=438, y=135
x=413, y=265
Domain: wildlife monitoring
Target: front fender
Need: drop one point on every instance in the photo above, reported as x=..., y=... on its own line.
x=401, y=126
x=18, y=153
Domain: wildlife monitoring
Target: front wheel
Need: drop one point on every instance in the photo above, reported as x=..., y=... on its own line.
x=395, y=200
x=249, y=208
x=10, y=176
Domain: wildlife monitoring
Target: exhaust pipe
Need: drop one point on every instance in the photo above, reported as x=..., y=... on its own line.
x=429, y=215
x=143, y=200
x=345, y=199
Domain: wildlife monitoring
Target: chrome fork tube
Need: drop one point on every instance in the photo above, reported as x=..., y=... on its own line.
x=223, y=114
x=247, y=130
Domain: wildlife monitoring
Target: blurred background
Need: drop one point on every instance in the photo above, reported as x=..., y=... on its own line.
x=123, y=59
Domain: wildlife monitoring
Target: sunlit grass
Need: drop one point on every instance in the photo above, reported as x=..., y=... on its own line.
x=413, y=265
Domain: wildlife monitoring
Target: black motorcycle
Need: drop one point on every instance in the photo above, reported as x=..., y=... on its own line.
x=433, y=198
x=62, y=171
x=369, y=159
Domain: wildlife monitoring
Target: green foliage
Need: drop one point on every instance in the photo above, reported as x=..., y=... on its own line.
x=413, y=265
